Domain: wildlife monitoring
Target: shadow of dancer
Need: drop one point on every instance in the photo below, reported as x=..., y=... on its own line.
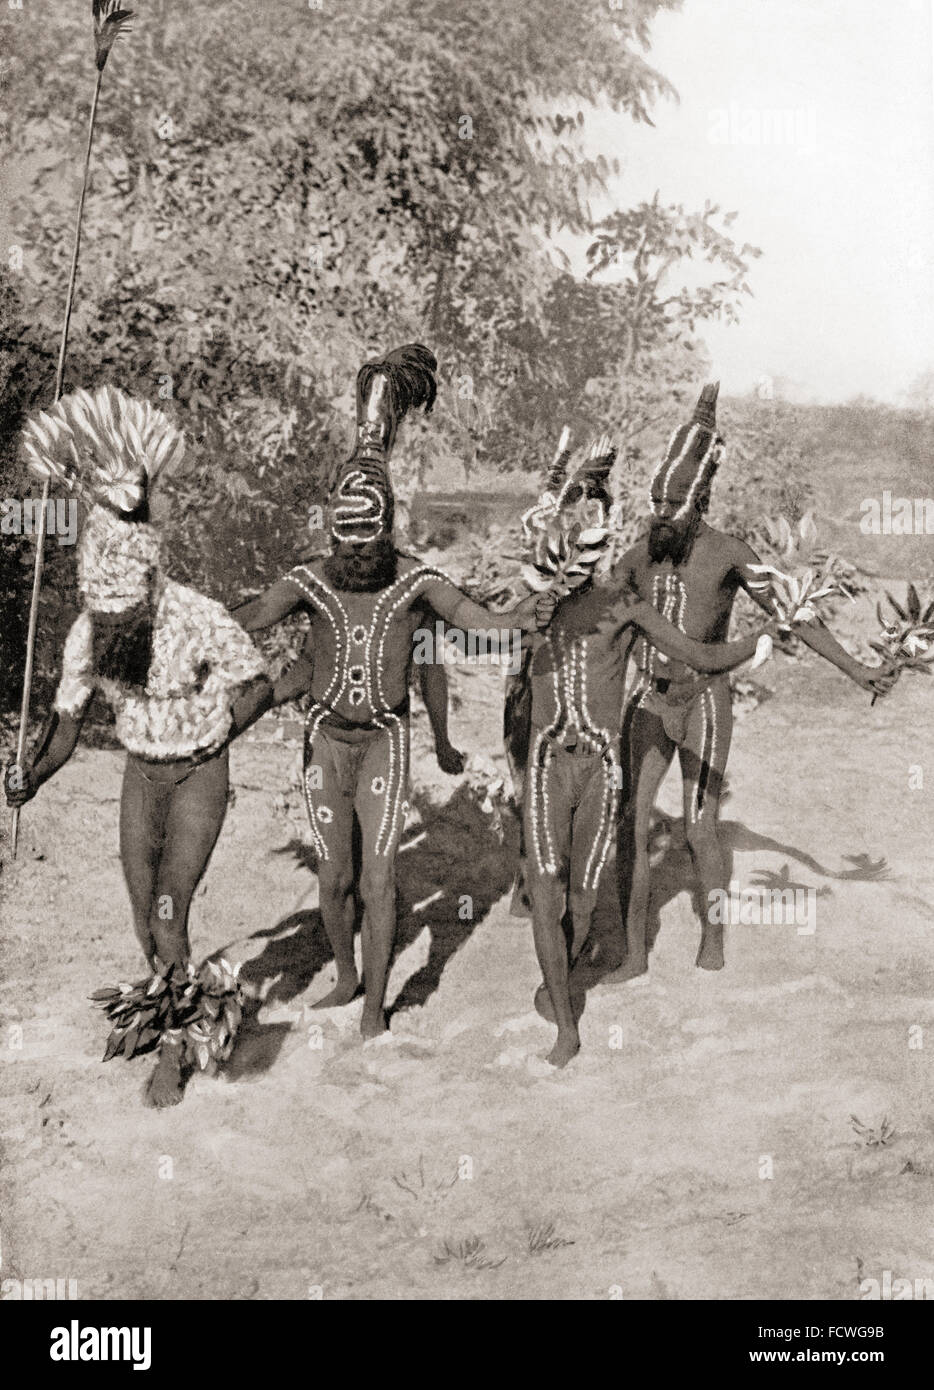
x=453, y=867
x=673, y=872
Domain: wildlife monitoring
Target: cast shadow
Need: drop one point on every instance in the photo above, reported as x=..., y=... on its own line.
x=672, y=873
x=450, y=871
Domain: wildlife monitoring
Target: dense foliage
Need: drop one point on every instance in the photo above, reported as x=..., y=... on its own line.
x=279, y=191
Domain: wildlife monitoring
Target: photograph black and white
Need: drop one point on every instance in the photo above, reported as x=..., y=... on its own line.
x=467, y=614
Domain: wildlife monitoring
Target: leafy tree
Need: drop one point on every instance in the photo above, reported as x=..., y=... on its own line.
x=281, y=190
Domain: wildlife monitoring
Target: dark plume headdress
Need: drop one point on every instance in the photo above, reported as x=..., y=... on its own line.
x=410, y=374
x=387, y=390
x=693, y=455
x=705, y=412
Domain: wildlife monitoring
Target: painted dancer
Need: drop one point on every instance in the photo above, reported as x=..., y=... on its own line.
x=563, y=719
x=365, y=601
x=691, y=574
x=181, y=677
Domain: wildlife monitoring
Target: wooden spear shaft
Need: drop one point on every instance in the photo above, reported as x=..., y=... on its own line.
x=40, y=534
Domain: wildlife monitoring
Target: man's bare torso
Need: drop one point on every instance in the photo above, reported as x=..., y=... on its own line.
x=576, y=671
x=697, y=596
x=362, y=642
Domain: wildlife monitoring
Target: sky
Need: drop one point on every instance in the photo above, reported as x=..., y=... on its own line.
x=839, y=193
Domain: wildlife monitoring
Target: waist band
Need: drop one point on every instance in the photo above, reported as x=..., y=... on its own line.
x=169, y=771
x=682, y=690
x=339, y=723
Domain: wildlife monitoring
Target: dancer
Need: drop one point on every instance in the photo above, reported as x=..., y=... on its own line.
x=563, y=721
x=366, y=600
x=182, y=678
x=691, y=574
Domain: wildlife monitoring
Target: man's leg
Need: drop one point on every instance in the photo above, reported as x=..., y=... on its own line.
x=592, y=831
x=143, y=807
x=329, y=789
x=703, y=759
x=547, y=813
x=196, y=810
x=382, y=784
x=647, y=752
x=142, y=818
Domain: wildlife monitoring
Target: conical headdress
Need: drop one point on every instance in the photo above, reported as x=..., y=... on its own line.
x=693, y=455
x=361, y=496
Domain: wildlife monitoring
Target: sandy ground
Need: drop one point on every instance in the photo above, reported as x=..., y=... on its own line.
x=701, y=1146
x=449, y=1161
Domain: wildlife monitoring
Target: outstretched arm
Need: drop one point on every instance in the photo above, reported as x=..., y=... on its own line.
x=877, y=679
x=271, y=607
x=294, y=682
x=710, y=657
x=262, y=695
x=455, y=608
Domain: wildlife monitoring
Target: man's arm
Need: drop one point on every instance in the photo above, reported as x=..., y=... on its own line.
x=877, y=679
x=60, y=736
x=709, y=657
x=433, y=683
x=262, y=695
x=531, y=614
x=271, y=607
x=59, y=741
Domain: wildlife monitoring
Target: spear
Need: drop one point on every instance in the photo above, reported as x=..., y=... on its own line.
x=108, y=23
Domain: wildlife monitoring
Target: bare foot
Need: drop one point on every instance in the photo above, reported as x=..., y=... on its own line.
x=166, y=1086
x=566, y=1046
x=710, y=955
x=344, y=991
x=372, y=1025
x=543, y=1004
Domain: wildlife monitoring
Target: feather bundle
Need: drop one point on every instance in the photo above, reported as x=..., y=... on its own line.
x=565, y=560
x=559, y=464
x=907, y=637
x=411, y=374
x=795, y=598
x=109, y=23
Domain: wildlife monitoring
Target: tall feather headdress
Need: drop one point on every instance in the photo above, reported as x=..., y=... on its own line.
x=106, y=446
x=108, y=449
x=693, y=456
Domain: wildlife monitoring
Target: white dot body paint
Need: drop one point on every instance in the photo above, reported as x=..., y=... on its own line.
x=362, y=682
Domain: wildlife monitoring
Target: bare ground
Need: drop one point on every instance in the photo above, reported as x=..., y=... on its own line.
x=449, y=1161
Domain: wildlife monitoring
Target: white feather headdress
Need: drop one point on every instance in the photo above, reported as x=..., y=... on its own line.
x=108, y=449
x=106, y=446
